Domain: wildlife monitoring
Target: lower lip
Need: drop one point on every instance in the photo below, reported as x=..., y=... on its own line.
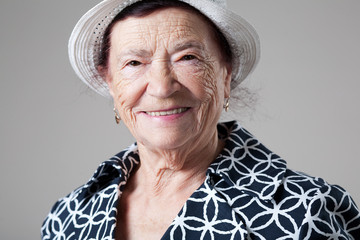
x=170, y=117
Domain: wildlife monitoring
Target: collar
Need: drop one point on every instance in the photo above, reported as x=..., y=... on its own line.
x=247, y=165
x=244, y=164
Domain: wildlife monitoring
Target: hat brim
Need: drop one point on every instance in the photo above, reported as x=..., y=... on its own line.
x=86, y=40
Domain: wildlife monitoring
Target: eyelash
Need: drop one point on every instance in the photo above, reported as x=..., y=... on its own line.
x=133, y=63
x=186, y=57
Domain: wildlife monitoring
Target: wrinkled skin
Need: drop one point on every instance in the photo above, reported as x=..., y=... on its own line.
x=166, y=60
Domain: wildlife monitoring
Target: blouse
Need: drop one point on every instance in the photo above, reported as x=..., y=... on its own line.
x=248, y=193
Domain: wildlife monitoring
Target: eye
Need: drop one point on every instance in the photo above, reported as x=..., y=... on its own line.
x=134, y=63
x=188, y=57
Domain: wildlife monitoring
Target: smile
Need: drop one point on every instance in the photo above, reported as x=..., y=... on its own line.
x=166, y=113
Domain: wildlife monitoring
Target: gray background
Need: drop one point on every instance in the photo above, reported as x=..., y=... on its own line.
x=54, y=131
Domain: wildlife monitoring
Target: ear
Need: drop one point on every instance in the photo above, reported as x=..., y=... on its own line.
x=105, y=74
x=228, y=75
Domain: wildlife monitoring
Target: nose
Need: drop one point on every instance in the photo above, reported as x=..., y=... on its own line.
x=162, y=80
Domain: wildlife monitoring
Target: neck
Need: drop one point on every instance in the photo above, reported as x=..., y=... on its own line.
x=175, y=171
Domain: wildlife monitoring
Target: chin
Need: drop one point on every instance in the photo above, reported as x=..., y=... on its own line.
x=167, y=141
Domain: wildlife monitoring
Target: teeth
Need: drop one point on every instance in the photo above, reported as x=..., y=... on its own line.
x=165, y=113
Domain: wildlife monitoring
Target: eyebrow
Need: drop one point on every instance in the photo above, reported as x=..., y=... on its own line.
x=134, y=52
x=190, y=44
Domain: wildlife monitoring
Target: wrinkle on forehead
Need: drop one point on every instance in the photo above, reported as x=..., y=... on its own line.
x=150, y=34
x=158, y=25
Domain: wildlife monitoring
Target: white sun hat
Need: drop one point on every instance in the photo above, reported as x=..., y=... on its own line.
x=86, y=40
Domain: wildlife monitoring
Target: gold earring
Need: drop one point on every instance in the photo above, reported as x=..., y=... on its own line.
x=117, y=118
x=227, y=104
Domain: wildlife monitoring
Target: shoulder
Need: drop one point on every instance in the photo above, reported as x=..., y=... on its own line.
x=329, y=210
x=300, y=184
x=82, y=211
x=276, y=198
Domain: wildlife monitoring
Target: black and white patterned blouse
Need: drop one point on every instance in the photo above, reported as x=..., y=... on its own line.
x=248, y=194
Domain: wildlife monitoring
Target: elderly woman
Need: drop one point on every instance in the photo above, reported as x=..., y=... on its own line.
x=170, y=68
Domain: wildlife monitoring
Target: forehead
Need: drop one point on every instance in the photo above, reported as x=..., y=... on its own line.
x=169, y=24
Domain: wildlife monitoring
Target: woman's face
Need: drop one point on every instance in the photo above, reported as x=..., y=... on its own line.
x=167, y=78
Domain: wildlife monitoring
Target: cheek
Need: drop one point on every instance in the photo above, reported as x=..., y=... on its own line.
x=201, y=80
x=205, y=84
x=210, y=104
x=126, y=95
x=210, y=83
